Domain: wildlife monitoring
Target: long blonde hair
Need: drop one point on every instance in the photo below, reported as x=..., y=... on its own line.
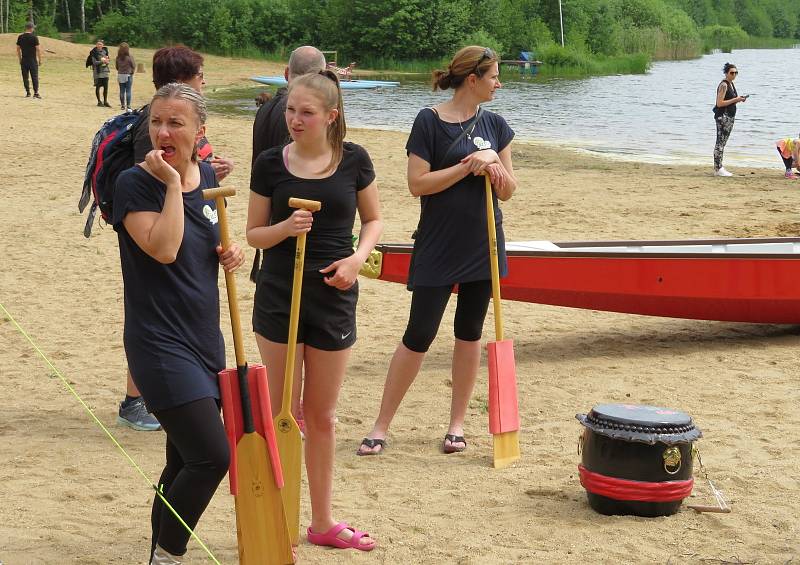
x=326, y=85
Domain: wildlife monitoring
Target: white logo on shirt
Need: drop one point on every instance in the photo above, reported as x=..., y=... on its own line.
x=211, y=214
x=481, y=143
x=345, y=336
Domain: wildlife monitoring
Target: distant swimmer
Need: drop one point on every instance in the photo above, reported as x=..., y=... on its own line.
x=725, y=114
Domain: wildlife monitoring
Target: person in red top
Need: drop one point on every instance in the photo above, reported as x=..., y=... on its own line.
x=29, y=53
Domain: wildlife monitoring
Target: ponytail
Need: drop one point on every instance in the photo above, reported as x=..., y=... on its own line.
x=326, y=84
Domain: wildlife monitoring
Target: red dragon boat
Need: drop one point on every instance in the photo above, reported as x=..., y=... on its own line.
x=735, y=280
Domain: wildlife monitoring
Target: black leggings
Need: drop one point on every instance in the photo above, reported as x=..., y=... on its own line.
x=102, y=82
x=787, y=162
x=198, y=456
x=427, y=308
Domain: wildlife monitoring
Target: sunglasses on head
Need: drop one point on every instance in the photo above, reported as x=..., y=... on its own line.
x=487, y=54
x=733, y=72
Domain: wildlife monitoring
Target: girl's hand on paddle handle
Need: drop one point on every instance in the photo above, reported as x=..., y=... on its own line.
x=232, y=258
x=479, y=160
x=299, y=222
x=345, y=272
x=162, y=170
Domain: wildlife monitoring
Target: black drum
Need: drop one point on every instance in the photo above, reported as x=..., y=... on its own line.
x=636, y=459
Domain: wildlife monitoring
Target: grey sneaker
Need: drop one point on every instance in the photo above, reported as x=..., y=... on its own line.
x=135, y=416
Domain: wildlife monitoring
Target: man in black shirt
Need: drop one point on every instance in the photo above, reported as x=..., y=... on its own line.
x=269, y=128
x=29, y=53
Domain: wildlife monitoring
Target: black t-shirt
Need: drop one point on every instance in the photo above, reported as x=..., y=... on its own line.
x=330, y=238
x=452, y=243
x=172, y=322
x=27, y=43
x=730, y=93
x=269, y=127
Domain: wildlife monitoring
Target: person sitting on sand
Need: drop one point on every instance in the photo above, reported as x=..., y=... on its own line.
x=789, y=150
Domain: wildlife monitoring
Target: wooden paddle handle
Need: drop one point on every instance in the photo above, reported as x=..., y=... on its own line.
x=223, y=191
x=302, y=203
x=218, y=195
x=294, y=311
x=493, y=261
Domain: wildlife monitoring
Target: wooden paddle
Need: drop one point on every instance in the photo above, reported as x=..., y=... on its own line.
x=290, y=443
x=503, y=406
x=260, y=519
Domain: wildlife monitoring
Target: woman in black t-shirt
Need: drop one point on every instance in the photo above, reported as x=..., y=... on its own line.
x=725, y=114
x=450, y=146
x=315, y=165
x=170, y=254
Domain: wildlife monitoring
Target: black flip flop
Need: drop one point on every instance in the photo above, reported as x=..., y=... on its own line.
x=371, y=443
x=452, y=438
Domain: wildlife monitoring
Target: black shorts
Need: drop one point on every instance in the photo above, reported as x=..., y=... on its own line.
x=327, y=314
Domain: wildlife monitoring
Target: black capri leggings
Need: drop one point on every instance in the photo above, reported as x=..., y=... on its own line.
x=788, y=162
x=198, y=456
x=427, y=308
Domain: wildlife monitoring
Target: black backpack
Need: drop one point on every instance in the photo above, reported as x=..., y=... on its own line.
x=111, y=153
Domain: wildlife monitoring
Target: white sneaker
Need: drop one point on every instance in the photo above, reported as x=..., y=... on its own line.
x=721, y=172
x=162, y=557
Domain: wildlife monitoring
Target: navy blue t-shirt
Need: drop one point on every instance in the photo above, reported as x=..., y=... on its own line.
x=452, y=242
x=172, y=322
x=331, y=236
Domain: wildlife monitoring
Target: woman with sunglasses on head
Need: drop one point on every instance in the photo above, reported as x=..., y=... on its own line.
x=316, y=165
x=450, y=147
x=725, y=114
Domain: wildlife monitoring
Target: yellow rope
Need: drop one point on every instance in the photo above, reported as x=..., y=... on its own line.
x=108, y=433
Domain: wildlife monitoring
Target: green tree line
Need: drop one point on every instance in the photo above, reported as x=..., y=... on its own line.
x=406, y=30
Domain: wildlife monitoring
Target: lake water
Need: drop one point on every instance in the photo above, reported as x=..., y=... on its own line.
x=662, y=116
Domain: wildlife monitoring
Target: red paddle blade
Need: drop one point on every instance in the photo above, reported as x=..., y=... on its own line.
x=262, y=418
x=503, y=406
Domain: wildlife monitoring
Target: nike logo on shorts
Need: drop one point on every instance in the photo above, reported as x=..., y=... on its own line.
x=345, y=336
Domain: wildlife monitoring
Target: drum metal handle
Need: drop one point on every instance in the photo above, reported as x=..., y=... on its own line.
x=580, y=443
x=672, y=460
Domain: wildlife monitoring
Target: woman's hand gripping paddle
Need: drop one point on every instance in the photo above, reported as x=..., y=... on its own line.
x=260, y=518
x=503, y=407
x=290, y=443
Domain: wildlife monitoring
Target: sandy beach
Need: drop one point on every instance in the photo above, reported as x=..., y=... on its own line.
x=68, y=495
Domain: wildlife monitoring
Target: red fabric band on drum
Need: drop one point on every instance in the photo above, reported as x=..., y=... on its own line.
x=622, y=489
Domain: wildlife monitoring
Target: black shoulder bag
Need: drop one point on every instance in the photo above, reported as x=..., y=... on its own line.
x=452, y=146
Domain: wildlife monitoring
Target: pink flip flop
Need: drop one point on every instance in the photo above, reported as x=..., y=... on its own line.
x=329, y=538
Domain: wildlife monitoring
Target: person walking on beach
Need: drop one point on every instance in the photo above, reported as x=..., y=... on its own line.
x=126, y=67
x=29, y=53
x=170, y=254
x=789, y=150
x=170, y=64
x=270, y=130
x=100, y=71
x=450, y=146
x=725, y=114
x=316, y=165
